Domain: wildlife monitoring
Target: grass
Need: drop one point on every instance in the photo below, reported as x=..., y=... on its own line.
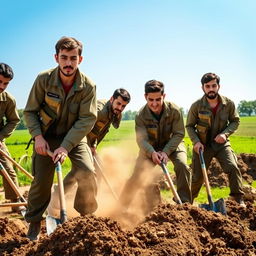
x=243, y=141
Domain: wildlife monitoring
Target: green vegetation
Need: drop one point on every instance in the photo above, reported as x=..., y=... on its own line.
x=243, y=141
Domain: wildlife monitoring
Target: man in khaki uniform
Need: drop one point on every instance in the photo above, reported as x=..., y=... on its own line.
x=60, y=112
x=108, y=112
x=9, y=113
x=159, y=132
x=210, y=122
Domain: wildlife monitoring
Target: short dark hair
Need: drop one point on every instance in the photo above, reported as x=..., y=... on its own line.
x=209, y=77
x=154, y=86
x=6, y=71
x=124, y=94
x=69, y=43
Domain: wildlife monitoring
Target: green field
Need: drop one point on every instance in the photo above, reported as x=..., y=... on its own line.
x=243, y=141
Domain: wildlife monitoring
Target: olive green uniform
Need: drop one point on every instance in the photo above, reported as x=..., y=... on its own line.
x=105, y=117
x=164, y=135
x=9, y=119
x=64, y=120
x=202, y=126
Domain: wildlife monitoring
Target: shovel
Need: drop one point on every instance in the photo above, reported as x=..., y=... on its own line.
x=51, y=222
x=219, y=205
x=98, y=164
x=169, y=180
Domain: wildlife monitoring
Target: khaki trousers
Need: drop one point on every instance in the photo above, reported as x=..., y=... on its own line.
x=228, y=162
x=43, y=171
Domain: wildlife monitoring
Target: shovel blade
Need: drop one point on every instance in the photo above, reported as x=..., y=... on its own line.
x=51, y=224
x=218, y=206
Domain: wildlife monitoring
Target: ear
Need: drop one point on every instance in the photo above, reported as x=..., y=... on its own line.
x=145, y=95
x=80, y=59
x=56, y=58
x=111, y=99
x=164, y=95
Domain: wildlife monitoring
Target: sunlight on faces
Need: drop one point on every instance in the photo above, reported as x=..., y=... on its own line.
x=68, y=61
x=211, y=89
x=118, y=105
x=155, y=101
x=4, y=81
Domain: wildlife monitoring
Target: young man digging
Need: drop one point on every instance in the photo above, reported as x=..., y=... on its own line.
x=159, y=132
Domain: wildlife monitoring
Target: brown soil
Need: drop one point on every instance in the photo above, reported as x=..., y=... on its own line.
x=246, y=164
x=168, y=230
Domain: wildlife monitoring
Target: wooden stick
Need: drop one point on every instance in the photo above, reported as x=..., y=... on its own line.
x=16, y=164
x=10, y=181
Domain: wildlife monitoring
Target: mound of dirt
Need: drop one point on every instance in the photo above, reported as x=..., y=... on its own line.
x=168, y=230
x=246, y=164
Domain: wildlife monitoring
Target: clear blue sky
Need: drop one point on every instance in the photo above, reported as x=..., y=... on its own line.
x=127, y=43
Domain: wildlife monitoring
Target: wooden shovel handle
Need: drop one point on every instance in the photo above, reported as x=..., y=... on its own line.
x=168, y=177
x=10, y=181
x=206, y=180
x=61, y=189
x=16, y=164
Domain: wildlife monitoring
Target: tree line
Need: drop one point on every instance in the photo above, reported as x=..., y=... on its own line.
x=245, y=108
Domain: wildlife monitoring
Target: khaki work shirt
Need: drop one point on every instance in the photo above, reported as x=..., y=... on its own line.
x=203, y=126
x=50, y=111
x=164, y=135
x=105, y=117
x=9, y=117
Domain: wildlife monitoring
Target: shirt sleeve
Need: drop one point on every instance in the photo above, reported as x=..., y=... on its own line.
x=12, y=120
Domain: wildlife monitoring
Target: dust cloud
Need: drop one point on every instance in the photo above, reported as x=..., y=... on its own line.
x=117, y=166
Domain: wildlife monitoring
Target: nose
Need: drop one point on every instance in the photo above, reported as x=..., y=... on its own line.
x=154, y=103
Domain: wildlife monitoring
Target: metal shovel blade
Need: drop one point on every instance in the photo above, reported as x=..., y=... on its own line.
x=51, y=224
x=218, y=206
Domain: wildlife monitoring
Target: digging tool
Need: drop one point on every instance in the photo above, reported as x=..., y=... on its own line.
x=21, y=200
x=219, y=205
x=169, y=180
x=51, y=222
x=98, y=164
x=16, y=164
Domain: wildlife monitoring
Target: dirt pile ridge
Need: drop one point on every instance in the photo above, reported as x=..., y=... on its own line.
x=168, y=230
x=246, y=165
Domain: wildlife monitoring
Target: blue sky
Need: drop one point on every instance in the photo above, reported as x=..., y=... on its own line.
x=127, y=43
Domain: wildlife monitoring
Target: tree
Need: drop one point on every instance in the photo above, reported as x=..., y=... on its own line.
x=246, y=108
x=21, y=125
x=129, y=115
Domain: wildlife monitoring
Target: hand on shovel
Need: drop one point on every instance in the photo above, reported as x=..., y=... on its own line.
x=59, y=154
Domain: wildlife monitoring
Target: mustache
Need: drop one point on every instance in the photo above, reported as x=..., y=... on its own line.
x=68, y=67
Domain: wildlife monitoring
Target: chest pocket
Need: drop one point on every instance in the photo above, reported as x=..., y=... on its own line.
x=152, y=132
x=53, y=103
x=204, y=118
x=204, y=124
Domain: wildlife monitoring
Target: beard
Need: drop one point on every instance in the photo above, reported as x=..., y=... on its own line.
x=211, y=95
x=67, y=74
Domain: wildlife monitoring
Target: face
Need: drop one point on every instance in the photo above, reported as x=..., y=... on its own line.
x=4, y=83
x=118, y=105
x=68, y=61
x=155, y=101
x=211, y=89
